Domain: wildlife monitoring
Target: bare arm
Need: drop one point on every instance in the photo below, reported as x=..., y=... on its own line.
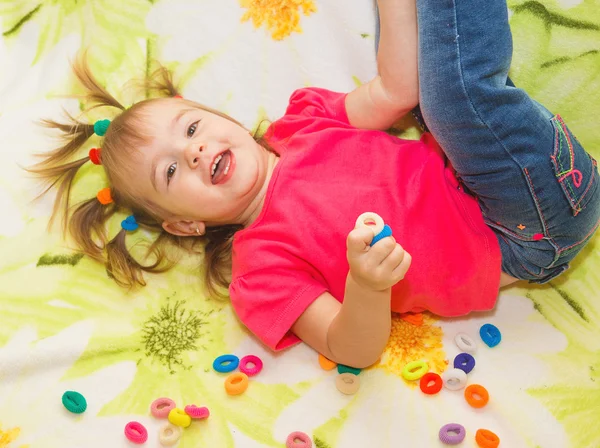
x=356, y=331
x=395, y=90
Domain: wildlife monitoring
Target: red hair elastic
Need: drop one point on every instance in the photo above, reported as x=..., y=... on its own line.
x=95, y=156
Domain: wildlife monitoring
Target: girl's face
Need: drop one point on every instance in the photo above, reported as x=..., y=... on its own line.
x=203, y=169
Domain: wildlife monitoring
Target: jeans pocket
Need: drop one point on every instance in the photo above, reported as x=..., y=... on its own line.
x=575, y=170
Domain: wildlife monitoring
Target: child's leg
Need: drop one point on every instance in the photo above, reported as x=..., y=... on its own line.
x=535, y=184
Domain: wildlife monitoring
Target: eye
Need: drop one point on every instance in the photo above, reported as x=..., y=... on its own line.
x=192, y=129
x=171, y=172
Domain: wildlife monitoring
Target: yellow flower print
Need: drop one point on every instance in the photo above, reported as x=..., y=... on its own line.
x=9, y=436
x=280, y=17
x=409, y=342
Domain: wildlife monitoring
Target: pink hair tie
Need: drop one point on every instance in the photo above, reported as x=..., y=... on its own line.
x=251, y=359
x=196, y=413
x=298, y=439
x=94, y=155
x=161, y=407
x=136, y=432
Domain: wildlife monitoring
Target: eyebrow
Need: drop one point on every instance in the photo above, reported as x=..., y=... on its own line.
x=174, y=122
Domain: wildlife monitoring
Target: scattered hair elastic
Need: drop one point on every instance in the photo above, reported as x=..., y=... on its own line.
x=94, y=155
x=169, y=434
x=129, y=224
x=298, y=439
x=430, y=377
x=100, y=127
x=415, y=370
x=490, y=335
x=226, y=363
x=197, y=413
x=179, y=418
x=74, y=402
x=341, y=368
x=486, y=438
x=464, y=361
x=347, y=383
x=161, y=407
x=452, y=434
x=251, y=359
x=464, y=342
x=477, y=395
x=454, y=379
x=104, y=196
x=326, y=363
x=236, y=383
x=136, y=432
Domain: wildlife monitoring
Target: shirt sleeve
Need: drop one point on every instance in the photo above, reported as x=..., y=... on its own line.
x=317, y=102
x=268, y=302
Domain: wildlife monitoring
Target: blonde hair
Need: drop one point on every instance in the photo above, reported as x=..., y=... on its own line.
x=86, y=222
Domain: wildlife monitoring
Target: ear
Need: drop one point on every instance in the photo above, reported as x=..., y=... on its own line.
x=184, y=228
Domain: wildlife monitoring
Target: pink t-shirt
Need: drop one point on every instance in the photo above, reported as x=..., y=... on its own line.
x=328, y=174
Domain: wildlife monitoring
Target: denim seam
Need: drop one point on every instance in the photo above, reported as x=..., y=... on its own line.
x=574, y=245
x=561, y=175
x=472, y=105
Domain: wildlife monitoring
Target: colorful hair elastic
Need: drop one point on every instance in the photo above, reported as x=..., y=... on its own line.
x=94, y=155
x=104, y=196
x=129, y=224
x=100, y=127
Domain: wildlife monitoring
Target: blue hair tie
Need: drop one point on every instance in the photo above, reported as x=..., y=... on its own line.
x=100, y=127
x=129, y=224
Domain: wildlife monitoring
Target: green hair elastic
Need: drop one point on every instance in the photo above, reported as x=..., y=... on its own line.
x=100, y=127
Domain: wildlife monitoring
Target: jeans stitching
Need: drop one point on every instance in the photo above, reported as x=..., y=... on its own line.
x=536, y=201
x=561, y=174
x=590, y=233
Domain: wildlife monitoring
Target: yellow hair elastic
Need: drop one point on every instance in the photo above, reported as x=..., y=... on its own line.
x=179, y=418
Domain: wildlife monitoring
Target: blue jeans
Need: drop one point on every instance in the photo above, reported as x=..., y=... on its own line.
x=535, y=184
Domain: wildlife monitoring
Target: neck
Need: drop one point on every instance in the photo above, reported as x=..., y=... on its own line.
x=257, y=204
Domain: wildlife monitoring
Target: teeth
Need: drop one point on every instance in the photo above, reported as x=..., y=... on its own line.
x=227, y=167
x=214, y=165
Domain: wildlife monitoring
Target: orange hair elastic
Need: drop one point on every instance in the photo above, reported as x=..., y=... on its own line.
x=326, y=363
x=104, y=196
x=486, y=438
x=477, y=395
x=236, y=383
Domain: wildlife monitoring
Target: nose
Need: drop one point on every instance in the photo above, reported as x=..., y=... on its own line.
x=192, y=154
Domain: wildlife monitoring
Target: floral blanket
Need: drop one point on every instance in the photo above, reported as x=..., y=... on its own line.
x=66, y=326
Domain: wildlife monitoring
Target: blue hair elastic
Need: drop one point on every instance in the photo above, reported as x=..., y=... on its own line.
x=129, y=224
x=490, y=335
x=100, y=127
x=387, y=231
x=226, y=363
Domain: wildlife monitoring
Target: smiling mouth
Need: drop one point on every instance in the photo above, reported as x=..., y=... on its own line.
x=220, y=167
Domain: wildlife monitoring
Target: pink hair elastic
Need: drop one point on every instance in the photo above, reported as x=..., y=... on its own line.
x=161, y=407
x=136, y=432
x=298, y=439
x=251, y=359
x=195, y=412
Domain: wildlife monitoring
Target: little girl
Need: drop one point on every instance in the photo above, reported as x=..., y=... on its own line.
x=499, y=189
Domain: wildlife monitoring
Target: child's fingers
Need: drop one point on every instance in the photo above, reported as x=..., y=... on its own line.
x=394, y=258
x=400, y=271
x=359, y=239
x=381, y=250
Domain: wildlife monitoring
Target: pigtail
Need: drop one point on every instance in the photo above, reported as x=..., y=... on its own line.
x=87, y=226
x=96, y=94
x=161, y=82
x=125, y=269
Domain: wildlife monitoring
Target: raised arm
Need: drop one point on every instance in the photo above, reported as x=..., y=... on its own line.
x=395, y=90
